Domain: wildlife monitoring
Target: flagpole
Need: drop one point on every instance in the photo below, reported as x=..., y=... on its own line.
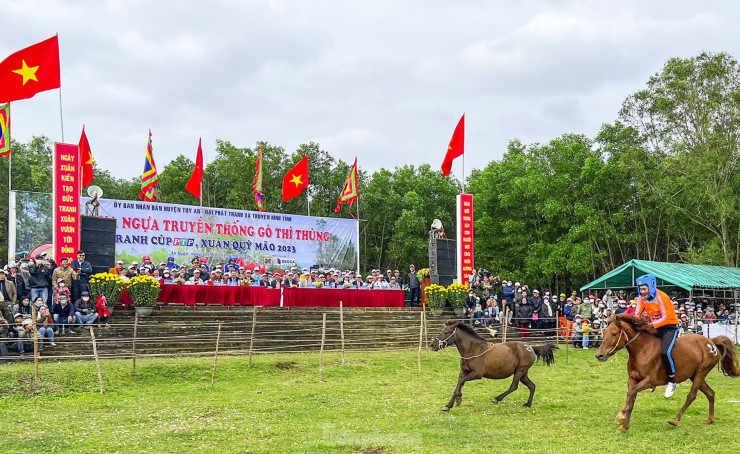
x=463, y=165
x=61, y=116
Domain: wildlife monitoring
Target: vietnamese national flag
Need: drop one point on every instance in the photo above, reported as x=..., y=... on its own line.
x=30, y=71
x=196, y=179
x=456, y=147
x=295, y=180
x=86, y=158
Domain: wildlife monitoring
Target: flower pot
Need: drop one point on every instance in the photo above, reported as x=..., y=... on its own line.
x=459, y=311
x=437, y=311
x=144, y=311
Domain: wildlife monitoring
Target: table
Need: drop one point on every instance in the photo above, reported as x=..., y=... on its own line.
x=330, y=297
x=229, y=295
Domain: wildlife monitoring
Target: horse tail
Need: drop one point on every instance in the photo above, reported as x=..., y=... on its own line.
x=729, y=364
x=545, y=353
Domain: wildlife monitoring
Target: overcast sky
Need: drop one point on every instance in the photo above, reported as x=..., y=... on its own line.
x=385, y=81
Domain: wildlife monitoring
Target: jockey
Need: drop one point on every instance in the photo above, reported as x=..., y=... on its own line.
x=657, y=305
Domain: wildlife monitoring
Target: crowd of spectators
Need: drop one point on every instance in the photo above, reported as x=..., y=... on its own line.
x=199, y=272
x=493, y=300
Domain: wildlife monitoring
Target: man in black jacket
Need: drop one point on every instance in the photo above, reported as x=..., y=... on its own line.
x=470, y=302
x=81, y=271
x=40, y=281
x=414, y=286
x=64, y=314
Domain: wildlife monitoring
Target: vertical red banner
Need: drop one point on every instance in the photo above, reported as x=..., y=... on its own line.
x=465, y=246
x=66, y=200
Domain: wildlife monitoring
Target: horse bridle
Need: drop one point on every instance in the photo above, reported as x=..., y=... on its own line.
x=626, y=338
x=443, y=343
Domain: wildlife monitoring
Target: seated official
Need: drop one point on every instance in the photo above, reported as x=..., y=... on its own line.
x=195, y=280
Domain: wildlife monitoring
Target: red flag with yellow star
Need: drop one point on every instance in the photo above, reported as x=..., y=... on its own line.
x=87, y=160
x=456, y=147
x=295, y=180
x=30, y=71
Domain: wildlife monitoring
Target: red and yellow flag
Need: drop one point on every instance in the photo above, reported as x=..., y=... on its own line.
x=30, y=71
x=86, y=159
x=456, y=147
x=258, y=183
x=349, y=192
x=296, y=180
x=149, y=177
x=5, y=130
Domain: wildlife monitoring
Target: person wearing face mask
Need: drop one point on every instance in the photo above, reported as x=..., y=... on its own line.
x=43, y=325
x=24, y=307
x=85, y=310
x=63, y=314
x=61, y=289
x=8, y=293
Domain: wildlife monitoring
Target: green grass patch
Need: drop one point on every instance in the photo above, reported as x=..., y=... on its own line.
x=378, y=402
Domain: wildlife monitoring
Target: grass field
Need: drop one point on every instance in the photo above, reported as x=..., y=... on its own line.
x=378, y=402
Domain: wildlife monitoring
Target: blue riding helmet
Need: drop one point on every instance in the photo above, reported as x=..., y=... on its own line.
x=650, y=281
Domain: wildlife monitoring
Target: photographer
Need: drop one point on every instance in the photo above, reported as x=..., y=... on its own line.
x=40, y=282
x=81, y=271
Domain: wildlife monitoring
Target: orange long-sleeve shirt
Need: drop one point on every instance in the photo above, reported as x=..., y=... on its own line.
x=660, y=310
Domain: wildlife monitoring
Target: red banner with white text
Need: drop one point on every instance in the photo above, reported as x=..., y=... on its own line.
x=66, y=237
x=465, y=246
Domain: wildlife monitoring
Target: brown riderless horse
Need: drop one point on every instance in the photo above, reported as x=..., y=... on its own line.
x=695, y=357
x=482, y=359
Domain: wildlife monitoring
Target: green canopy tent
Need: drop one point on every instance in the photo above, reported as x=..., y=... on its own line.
x=681, y=275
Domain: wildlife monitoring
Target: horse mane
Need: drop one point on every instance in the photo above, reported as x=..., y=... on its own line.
x=466, y=328
x=639, y=324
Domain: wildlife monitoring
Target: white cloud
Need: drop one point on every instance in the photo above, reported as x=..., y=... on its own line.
x=383, y=80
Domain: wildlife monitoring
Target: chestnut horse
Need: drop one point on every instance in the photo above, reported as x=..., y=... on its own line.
x=482, y=359
x=695, y=356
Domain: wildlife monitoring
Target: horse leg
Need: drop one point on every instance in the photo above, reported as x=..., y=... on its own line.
x=457, y=394
x=633, y=389
x=696, y=384
x=529, y=384
x=709, y=392
x=620, y=416
x=512, y=388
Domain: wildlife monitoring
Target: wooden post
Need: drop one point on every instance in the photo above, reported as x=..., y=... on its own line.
x=341, y=327
x=567, y=340
x=97, y=359
x=321, y=352
x=421, y=338
x=506, y=324
x=133, y=344
x=215, y=356
x=557, y=327
x=426, y=325
x=737, y=316
x=35, y=343
x=251, y=338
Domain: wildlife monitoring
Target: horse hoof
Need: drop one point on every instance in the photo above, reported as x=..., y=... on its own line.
x=495, y=401
x=445, y=408
x=673, y=422
x=621, y=429
x=708, y=421
x=527, y=405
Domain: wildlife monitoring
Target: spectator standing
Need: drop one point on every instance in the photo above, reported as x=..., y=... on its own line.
x=536, y=303
x=609, y=298
x=40, y=278
x=64, y=272
x=524, y=314
x=15, y=276
x=8, y=292
x=578, y=332
x=547, y=315
x=414, y=286
x=81, y=271
x=61, y=289
x=4, y=334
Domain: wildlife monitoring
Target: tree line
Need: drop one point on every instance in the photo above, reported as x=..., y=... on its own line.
x=659, y=182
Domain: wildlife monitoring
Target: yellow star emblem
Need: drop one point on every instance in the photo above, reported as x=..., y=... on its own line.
x=297, y=180
x=28, y=72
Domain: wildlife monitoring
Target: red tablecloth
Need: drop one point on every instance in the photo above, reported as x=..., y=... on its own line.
x=261, y=296
x=227, y=295
x=330, y=297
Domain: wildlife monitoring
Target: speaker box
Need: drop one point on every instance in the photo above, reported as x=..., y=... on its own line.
x=442, y=257
x=98, y=240
x=443, y=280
